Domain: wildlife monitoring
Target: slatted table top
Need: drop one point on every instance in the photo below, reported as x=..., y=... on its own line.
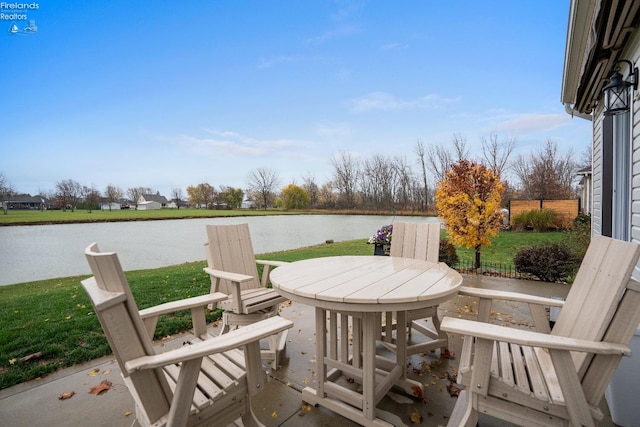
x=366, y=283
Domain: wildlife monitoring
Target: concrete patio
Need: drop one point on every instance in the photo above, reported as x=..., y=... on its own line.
x=37, y=403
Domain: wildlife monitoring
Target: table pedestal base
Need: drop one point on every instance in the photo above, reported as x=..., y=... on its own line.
x=346, y=347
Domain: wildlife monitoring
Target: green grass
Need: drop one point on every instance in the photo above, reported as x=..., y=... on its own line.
x=55, y=317
x=506, y=244
x=14, y=217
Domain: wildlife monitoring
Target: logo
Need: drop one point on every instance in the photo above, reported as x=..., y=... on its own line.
x=21, y=17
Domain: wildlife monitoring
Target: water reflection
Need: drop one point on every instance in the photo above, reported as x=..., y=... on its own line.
x=42, y=252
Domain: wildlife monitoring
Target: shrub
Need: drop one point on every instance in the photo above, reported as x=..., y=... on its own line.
x=447, y=253
x=551, y=262
x=580, y=235
x=539, y=220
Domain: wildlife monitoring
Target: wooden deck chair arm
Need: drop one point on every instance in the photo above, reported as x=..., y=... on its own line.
x=530, y=338
x=233, y=277
x=536, y=304
x=183, y=304
x=197, y=306
x=221, y=343
x=266, y=270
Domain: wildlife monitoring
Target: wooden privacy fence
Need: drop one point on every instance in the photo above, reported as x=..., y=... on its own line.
x=565, y=210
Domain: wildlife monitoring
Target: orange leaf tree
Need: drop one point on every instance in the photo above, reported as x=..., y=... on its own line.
x=468, y=199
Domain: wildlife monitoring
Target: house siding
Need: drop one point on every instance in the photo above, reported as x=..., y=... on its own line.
x=596, y=216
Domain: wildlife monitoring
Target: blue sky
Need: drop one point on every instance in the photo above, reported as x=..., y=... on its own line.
x=170, y=94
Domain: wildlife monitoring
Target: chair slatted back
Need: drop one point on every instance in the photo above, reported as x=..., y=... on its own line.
x=118, y=314
x=622, y=328
x=229, y=248
x=416, y=240
x=596, y=292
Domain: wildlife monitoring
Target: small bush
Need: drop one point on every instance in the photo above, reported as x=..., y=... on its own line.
x=539, y=220
x=551, y=262
x=447, y=253
x=580, y=235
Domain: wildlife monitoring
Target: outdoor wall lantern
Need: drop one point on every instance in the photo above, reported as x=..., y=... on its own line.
x=617, y=92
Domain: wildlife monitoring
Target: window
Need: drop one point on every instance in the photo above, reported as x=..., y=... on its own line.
x=621, y=197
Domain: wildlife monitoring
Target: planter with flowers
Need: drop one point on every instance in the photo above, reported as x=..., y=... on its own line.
x=382, y=240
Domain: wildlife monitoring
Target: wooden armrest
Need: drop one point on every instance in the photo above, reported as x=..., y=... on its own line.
x=234, y=277
x=271, y=263
x=183, y=304
x=225, y=342
x=530, y=338
x=510, y=296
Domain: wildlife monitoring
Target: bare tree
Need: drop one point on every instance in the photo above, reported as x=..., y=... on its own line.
x=6, y=191
x=264, y=181
x=177, y=196
x=312, y=188
x=112, y=194
x=546, y=174
x=345, y=176
x=496, y=153
x=68, y=193
x=134, y=194
x=420, y=151
x=91, y=198
x=440, y=158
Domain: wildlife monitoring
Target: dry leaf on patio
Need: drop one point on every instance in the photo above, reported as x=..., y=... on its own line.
x=101, y=388
x=416, y=417
x=453, y=390
x=66, y=395
x=417, y=391
x=447, y=354
x=94, y=372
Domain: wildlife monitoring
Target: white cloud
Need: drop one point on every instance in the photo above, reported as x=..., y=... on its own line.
x=231, y=143
x=333, y=130
x=385, y=101
x=533, y=123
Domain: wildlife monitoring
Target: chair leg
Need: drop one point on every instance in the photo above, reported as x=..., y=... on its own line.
x=464, y=415
x=249, y=419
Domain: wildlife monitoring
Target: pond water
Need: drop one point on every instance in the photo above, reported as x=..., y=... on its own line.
x=36, y=252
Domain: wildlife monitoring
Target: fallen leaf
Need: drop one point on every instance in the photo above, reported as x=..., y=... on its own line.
x=453, y=390
x=128, y=413
x=66, y=395
x=274, y=414
x=101, y=388
x=12, y=361
x=106, y=372
x=417, y=391
x=31, y=356
x=447, y=354
x=94, y=372
x=416, y=417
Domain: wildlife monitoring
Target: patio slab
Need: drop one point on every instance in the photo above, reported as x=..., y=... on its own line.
x=36, y=403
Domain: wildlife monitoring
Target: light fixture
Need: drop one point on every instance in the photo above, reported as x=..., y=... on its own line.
x=617, y=92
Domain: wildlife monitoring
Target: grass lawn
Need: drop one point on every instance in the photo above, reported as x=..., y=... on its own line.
x=55, y=318
x=14, y=217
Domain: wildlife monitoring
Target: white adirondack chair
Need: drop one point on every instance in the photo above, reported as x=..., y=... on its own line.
x=208, y=382
x=417, y=241
x=232, y=267
x=537, y=378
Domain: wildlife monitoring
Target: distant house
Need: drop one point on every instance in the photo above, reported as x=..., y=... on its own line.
x=149, y=206
x=25, y=201
x=113, y=206
x=586, y=190
x=153, y=198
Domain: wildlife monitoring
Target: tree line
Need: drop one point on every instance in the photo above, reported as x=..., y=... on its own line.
x=379, y=182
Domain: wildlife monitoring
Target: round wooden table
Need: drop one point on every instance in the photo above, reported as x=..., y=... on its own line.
x=350, y=292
